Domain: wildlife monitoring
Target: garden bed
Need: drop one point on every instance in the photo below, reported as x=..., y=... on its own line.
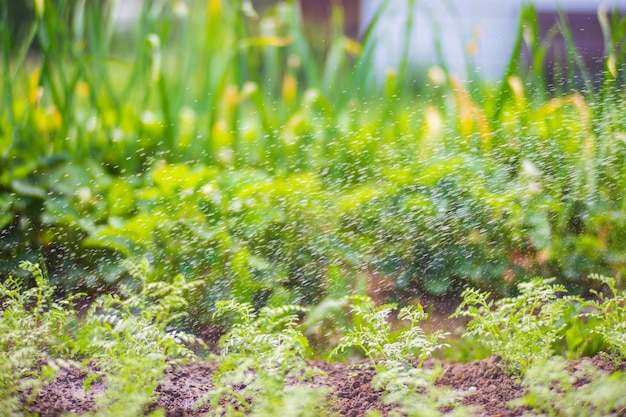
x=489, y=388
x=309, y=212
x=124, y=358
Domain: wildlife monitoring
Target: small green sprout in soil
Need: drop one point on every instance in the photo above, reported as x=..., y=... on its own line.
x=520, y=329
x=262, y=366
x=610, y=310
x=553, y=388
x=33, y=334
x=398, y=358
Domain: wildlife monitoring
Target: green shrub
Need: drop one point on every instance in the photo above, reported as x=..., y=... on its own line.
x=273, y=160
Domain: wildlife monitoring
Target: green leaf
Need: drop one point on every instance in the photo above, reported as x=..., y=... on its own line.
x=121, y=198
x=437, y=285
x=27, y=189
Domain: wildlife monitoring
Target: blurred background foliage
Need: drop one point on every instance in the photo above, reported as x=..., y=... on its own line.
x=221, y=142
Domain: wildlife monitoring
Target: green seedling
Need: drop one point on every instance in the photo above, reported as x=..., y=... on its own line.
x=372, y=334
x=33, y=334
x=552, y=388
x=262, y=366
x=129, y=341
x=398, y=358
x=521, y=329
x=610, y=314
x=413, y=393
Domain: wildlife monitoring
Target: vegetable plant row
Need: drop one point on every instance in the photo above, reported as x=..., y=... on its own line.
x=124, y=346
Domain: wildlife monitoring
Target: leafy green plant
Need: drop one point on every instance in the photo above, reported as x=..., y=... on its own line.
x=398, y=358
x=579, y=336
x=372, y=334
x=552, y=388
x=521, y=329
x=33, y=333
x=129, y=343
x=258, y=169
x=610, y=313
x=197, y=220
x=270, y=336
x=262, y=366
x=249, y=390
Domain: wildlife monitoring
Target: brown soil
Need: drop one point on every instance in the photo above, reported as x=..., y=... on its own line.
x=489, y=386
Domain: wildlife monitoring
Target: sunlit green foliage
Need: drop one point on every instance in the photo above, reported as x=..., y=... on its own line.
x=579, y=336
x=398, y=358
x=125, y=341
x=414, y=394
x=262, y=366
x=216, y=140
x=372, y=334
x=541, y=321
x=33, y=334
x=521, y=329
x=552, y=388
x=128, y=339
x=247, y=165
x=610, y=314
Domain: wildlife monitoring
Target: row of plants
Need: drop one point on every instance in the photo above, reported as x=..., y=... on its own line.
x=124, y=342
x=223, y=146
x=127, y=342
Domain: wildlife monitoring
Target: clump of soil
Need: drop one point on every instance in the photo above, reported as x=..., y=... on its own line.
x=66, y=394
x=489, y=387
x=351, y=388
